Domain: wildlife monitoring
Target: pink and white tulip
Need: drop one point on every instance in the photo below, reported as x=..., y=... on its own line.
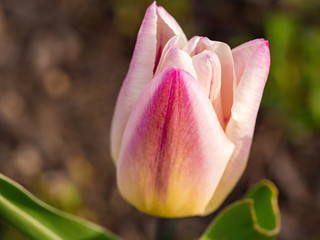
x=184, y=119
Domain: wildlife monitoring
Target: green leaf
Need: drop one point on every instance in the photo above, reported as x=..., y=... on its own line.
x=256, y=217
x=38, y=220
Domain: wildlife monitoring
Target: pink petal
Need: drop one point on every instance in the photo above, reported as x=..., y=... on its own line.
x=241, y=55
x=191, y=45
x=170, y=22
x=176, y=58
x=175, y=42
x=142, y=66
x=208, y=69
x=173, y=151
x=228, y=85
x=244, y=112
x=203, y=65
x=166, y=28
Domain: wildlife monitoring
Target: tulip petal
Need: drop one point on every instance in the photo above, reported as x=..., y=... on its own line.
x=228, y=86
x=228, y=82
x=170, y=22
x=205, y=71
x=175, y=42
x=167, y=27
x=191, y=45
x=156, y=29
x=241, y=55
x=173, y=151
x=244, y=112
x=208, y=69
x=178, y=58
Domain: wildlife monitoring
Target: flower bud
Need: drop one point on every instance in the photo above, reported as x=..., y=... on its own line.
x=184, y=119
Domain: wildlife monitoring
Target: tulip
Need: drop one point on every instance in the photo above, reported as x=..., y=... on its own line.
x=184, y=119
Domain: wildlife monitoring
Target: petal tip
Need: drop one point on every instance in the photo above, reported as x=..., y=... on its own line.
x=154, y=4
x=263, y=41
x=152, y=8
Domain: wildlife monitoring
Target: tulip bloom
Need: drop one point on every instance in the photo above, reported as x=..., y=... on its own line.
x=184, y=119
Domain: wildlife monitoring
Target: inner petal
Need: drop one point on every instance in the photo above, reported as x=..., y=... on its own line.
x=167, y=27
x=228, y=82
x=175, y=42
x=208, y=69
x=175, y=57
x=191, y=45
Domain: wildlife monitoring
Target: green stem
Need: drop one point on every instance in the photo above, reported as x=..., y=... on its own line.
x=165, y=229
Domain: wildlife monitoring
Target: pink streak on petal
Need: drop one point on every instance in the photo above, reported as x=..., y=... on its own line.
x=156, y=29
x=241, y=125
x=174, y=150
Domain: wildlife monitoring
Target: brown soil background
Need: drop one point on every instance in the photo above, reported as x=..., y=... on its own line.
x=61, y=66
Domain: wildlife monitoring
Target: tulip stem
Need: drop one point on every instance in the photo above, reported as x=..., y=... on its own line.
x=165, y=229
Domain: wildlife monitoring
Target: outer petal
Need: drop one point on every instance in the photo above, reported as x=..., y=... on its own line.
x=244, y=112
x=241, y=55
x=173, y=151
x=171, y=22
x=153, y=31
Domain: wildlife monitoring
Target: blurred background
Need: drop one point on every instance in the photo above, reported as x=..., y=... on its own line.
x=62, y=63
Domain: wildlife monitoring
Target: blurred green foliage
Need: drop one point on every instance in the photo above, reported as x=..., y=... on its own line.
x=293, y=89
